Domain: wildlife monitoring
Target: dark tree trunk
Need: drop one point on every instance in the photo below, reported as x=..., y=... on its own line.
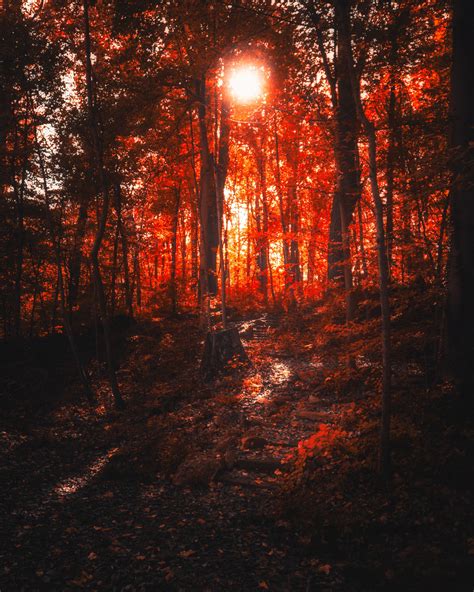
x=390, y=172
x=261, y=219
x=103, y=213
x=124, y=240
x=19, y=194
x=460, y=312
x=56, y=241
x=113, y=296
x=194, y=216
x=75, y=261
x=174, y=241
x=284, y=227
x=207, y=201
x=344, y=35
x=348, y=190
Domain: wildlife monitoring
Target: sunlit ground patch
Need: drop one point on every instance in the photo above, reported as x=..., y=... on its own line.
x=74, y=484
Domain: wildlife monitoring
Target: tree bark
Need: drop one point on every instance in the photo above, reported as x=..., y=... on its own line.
x=207, y=201
x=344, y=32
x=174, y=241
x=460, y=309
x=346, y=133
x=75, y=261
x=103, y=213
x=124, y=240
x=56, y=241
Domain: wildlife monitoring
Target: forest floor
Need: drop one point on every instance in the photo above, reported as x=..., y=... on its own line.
x=261, y=480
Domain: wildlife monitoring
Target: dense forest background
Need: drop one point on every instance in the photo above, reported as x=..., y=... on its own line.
x=125, y=116
x=194, y=165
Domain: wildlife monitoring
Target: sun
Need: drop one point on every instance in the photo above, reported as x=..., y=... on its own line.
x=246, y=84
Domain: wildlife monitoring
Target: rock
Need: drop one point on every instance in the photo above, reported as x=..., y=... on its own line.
x=253, y=442
x=199, y=469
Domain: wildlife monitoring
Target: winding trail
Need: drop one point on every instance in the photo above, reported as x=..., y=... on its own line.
x=68, y=528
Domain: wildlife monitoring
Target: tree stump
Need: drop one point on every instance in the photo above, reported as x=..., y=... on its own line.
x=221, y=348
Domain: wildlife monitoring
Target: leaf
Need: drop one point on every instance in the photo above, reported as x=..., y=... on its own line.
x=187, y=553
x=263, y=585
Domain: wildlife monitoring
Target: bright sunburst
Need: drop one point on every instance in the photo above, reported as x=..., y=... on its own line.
x=246, y=84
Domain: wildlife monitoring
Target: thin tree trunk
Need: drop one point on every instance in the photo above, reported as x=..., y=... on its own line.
x=19, y=193
x=75, y=261
x=442, y=232
x=361, y=239
x=174, y=239
x=279, y=189
x=345, y=40
x=114, y=272
x=124, y=241
x=390, y=172
x=102, y=220
x=195, y=216
x=56, y=241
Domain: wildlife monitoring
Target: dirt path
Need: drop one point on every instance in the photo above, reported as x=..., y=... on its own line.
x=66, y=526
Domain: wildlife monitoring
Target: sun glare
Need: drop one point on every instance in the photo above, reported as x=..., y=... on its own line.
x=246, y=84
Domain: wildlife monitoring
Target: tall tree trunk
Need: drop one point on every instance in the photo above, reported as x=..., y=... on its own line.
x=385, y=453
x=390, y=171
x=460, y=310
x=363, y=256
x=75, y=261
x=261, y=219
x=183, y=246
x=348, y=191
x=113, y=280
x=207, y=201
x=103, y=213
x=174, y=241
x=194, y=216
x=344, y=31
x=124, y=240
x=221, y=163
x=56, y=241
x=293, y=274
x=279, y=189
x=394, y=31
x=19, y=194
x=441, y=240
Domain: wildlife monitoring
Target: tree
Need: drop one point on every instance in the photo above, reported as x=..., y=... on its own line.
x=461, y=265
x=347, y=191
x=103, y=210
